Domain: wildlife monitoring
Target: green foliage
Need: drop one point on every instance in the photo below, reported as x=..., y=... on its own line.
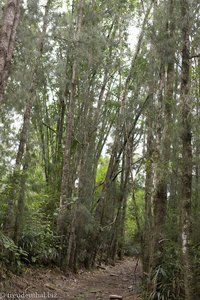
x=8, y=246
x=132, y=233
x=38, y=239
x=167, y=277
x=101, y=174
x=196, y=263
x=86, y=228
x=161, y=279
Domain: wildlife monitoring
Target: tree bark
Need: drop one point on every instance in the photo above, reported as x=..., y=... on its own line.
x=148, y=189
x=66, y=173
x=186, y=139
x=66, y=184
x=9, y=23
x=165, y=103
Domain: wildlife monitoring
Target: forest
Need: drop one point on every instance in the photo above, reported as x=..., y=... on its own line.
x=100, y=140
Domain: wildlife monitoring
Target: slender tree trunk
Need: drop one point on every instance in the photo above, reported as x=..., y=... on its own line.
x=160, y=193
x=122, y=210
x=66, y=184
x=9, y=23
x=117, y=237
x=163, y=150
x=58, y=160
x=21, y=197
x=148, y=190
x=66, y=173
x=186, y=139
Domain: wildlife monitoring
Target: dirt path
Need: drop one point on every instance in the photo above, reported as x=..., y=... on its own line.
x=121, y=279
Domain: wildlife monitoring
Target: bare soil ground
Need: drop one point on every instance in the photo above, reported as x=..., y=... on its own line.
x=122, y=279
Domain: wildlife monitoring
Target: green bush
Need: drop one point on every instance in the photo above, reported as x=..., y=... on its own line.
x=39, y=241
x=167, y=277
x=7, y=247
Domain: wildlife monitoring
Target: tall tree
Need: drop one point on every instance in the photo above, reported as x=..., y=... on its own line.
x=162, y=169
x=8, y=27
x=186, y=151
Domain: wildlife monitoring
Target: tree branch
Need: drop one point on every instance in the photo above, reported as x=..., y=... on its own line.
x=195, y=56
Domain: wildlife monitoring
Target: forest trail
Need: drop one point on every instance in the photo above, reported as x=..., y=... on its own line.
x=121, y=279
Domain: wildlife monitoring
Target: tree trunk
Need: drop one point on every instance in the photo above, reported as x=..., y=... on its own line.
x=66, y=173
x=9, y=23
x=148, y=194
x=21, y=197
x=66, y=184
x=163, y=147
x=186, y=139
